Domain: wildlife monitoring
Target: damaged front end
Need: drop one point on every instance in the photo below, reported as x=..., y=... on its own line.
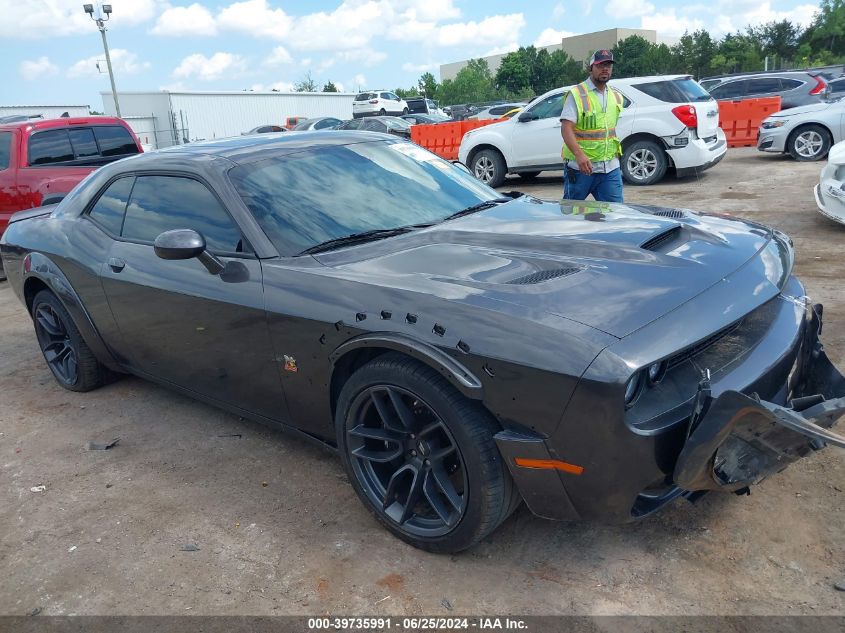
x=735, y=440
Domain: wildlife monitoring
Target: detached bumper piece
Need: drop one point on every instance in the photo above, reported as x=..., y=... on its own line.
x=736, y=440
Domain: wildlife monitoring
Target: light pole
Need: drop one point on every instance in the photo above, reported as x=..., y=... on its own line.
x=101, y=24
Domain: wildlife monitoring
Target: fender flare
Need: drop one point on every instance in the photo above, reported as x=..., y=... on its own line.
x=41, y=267
x=455, y=372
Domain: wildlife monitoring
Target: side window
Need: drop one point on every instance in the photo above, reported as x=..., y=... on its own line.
x=763, y=85
x=371, y=125
x=550, y=107
x=82, y=140
x=730, y=90
x=51, y=146
x=5, y=149
x=385, y=95
x=791, y=84
x=109, y=209
x=164, y=203
x=498, y=110
x=625, y=100
x=115, y=141
x=325, y=123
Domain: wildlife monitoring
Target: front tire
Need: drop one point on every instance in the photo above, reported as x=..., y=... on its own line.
x=421, y=456
x=382, y=112
x=644, y=163
x=489, y=167
x=528, y=175
x=809, y=143
x=68, y=356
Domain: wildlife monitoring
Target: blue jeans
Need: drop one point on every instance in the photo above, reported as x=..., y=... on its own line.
x=604, y=187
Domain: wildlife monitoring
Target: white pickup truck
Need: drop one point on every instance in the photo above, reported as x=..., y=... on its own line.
x=669, y=121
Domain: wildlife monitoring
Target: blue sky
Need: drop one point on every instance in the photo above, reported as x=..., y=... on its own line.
x=50, y=48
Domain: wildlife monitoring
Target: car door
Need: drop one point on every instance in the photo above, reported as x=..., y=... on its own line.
x=180, y=323
x=535, y=134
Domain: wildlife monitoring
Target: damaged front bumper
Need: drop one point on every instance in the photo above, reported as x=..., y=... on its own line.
x=735, y=440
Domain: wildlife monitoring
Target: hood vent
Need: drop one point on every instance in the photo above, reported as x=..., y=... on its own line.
x=661, y=239
x=543, y=275
x=671, y=213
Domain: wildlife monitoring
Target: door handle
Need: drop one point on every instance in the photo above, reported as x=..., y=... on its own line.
x=116, y=264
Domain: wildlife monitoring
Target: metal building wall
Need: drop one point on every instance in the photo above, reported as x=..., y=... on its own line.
x=154, y=106
x=221, y=114
x=48, y=112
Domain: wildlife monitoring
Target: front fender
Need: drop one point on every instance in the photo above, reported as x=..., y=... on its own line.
x=37, y=266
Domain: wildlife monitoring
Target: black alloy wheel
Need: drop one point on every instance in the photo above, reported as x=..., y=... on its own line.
x=69, y=358
x=421, y=456
x=406, y=460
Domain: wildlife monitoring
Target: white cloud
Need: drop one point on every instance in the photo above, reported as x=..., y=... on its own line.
x=279, y=57
x=352, y=25
x=419, y=68
x=359, y=81
x=501, y=50
x=496, y=29
x=37, y=68
x=559, y=11
x=255, y=18
x=211, y=68
x=551, y=36
x=669, y=23
x=305, y=62
x=57, y=18
x=621, y=9
x=122, y=61
x=429, y=10
x=180, y=21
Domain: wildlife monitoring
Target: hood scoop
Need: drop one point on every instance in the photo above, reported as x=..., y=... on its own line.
x=661, y=239
x=542, y=275
x=675, y=214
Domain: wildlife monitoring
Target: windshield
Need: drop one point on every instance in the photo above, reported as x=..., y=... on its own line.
x=321, y=194
x=682, y=90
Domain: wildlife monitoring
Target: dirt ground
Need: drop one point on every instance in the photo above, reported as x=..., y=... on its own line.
x=279, y=529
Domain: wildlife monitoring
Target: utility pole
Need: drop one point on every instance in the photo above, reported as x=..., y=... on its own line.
x=101, y=24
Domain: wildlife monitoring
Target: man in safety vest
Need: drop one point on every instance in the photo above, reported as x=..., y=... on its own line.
x=591, y=149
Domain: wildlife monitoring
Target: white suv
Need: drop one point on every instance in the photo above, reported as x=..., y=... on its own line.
x=668, y=121
x=378, y=103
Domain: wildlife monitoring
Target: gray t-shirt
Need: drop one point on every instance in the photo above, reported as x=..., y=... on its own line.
x=570, y=113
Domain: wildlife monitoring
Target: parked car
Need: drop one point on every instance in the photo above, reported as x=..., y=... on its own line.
x=428, y=119
x=830, y=191
x=460, y=112
x=805, y=133
x=318, y=123
x=512, y=112
x=378, y=103
x=265, y=129
x=292, y=121
x=384, y=124
x=495, y=111
x=835, y=89
x=461, y=351
x=423, y=105
x=669, y=121
x=794, y=88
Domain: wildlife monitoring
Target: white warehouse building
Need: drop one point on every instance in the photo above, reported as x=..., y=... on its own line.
x=163, y=118
x=47, y=111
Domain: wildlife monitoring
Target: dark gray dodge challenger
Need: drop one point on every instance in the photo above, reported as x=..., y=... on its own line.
x=462, y=350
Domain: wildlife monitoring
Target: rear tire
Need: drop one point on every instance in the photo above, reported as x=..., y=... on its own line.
x=809, y=143
x=68, y=356
x=382, y=112
x=489, y=167
x=644, y=163
x=421, y=456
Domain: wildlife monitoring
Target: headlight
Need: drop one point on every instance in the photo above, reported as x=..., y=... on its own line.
x=632, y=389
x=768, y=125
x=656, y=371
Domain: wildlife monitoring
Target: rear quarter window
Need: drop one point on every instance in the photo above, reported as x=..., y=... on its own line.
x=674, y=90
x=109, y=209
x=114, y=140
x=792, y=84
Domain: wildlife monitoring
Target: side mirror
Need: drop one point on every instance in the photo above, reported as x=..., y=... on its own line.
x=461, y=166
x=186, y=244
x=527, y=116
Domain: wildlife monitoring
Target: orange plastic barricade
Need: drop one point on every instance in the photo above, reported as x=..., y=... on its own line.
x=741, y=120
x=444, y=139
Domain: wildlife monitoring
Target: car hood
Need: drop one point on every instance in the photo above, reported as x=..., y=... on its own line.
x=807, y=109
x=613, y=267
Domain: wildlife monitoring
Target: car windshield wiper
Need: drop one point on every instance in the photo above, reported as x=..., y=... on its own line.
x=477, y=207
x=360, y=238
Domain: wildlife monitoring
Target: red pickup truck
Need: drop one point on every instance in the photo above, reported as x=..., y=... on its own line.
x=41, y=161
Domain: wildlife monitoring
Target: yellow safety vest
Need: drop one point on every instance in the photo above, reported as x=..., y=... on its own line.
x=595, y=130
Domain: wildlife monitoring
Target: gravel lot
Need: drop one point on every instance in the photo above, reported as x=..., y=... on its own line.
x=280, y=531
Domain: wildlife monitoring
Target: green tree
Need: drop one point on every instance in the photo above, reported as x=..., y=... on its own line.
x=403, y=93
x=472, y=84
x=630, y=56
x=330, y=87
x=513, y=74
x=306, y=84
x=428, y=85
x=827, y=31
x=780, y=40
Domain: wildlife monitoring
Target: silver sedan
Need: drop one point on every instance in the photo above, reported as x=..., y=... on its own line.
x=806, y=132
